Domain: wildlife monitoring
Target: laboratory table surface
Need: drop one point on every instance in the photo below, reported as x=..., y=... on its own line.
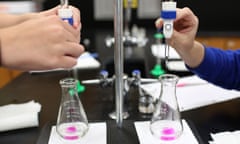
x=98, y=103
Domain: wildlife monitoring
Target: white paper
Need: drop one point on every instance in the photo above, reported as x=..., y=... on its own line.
x=193, y=92
x=85, y=61
x=16, y=116
x=176, y=66
x=197, y=95
x=145, y=136
x=97, y=134
x=226, y=137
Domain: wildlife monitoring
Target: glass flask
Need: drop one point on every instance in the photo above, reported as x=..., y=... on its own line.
x=72, y=123
x=166, y=124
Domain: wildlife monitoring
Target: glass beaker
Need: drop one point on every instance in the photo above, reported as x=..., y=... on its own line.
x=72, y=122
x=145, y=102
x=166, y=123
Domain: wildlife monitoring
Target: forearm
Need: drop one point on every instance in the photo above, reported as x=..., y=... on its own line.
x=12, y=19
x=194, y=56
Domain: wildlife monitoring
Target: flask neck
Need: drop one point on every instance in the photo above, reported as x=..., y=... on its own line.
x=168, y=83
x=168, y=90
x=69, y=88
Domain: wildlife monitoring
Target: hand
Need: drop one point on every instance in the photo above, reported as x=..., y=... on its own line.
x=185, y=27
x=183, y=38
x=54, y=11
x=40, y=43
x=76, y=16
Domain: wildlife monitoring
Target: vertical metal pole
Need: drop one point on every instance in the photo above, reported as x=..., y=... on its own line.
x=118, y=60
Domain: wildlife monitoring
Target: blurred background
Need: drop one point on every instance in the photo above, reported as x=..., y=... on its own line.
x=218, y=23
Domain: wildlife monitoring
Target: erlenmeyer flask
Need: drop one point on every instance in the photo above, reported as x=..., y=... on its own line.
x=166, y=124
x=72, y=122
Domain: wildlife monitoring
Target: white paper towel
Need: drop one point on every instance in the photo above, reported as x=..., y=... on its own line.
x=145, y=136
x=226, y=137
x=17, y=116
x=97, y=134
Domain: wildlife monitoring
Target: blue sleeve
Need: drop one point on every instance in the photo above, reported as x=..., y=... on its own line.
x=220, y=67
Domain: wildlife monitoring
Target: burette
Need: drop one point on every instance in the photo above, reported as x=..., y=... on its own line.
x=168, y=14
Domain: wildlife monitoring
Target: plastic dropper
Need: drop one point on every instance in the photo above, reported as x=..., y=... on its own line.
x=65, y=12
x=168, y=14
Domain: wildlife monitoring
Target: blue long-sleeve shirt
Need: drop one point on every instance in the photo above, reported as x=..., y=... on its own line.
x=220, y=67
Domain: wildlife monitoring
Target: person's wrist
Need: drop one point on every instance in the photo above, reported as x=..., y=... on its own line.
x=193, y=56
x=196, y=55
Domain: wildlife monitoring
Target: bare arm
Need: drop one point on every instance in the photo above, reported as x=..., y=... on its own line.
x=13, y=19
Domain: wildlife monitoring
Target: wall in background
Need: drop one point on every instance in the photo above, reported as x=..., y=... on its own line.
x=89, y=17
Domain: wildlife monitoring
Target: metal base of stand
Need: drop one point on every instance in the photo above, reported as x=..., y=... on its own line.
x=113, y=115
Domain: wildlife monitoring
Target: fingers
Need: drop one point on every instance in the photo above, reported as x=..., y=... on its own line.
x=159, y=23
x=186, y=22
x=54, y=11
x=73, y=50
x=68, y=62
x=76, y=17
x=67, y=56
x=76, y=23
x=70, y=59
x=71, y=34
x=73, y=30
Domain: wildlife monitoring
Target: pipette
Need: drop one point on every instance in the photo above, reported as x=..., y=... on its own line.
x=168, y=14
x=65, y=12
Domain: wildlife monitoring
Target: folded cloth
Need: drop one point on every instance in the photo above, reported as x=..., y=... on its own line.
x=17, y=116
x=226, y=137
x=97, y=134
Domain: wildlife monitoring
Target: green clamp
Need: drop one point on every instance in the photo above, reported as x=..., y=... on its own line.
x=157, y=70
x=158, y=36
x=80, y=89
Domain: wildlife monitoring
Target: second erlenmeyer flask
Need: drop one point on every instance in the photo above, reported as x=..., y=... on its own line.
x=166, y=124
x=72, y=122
